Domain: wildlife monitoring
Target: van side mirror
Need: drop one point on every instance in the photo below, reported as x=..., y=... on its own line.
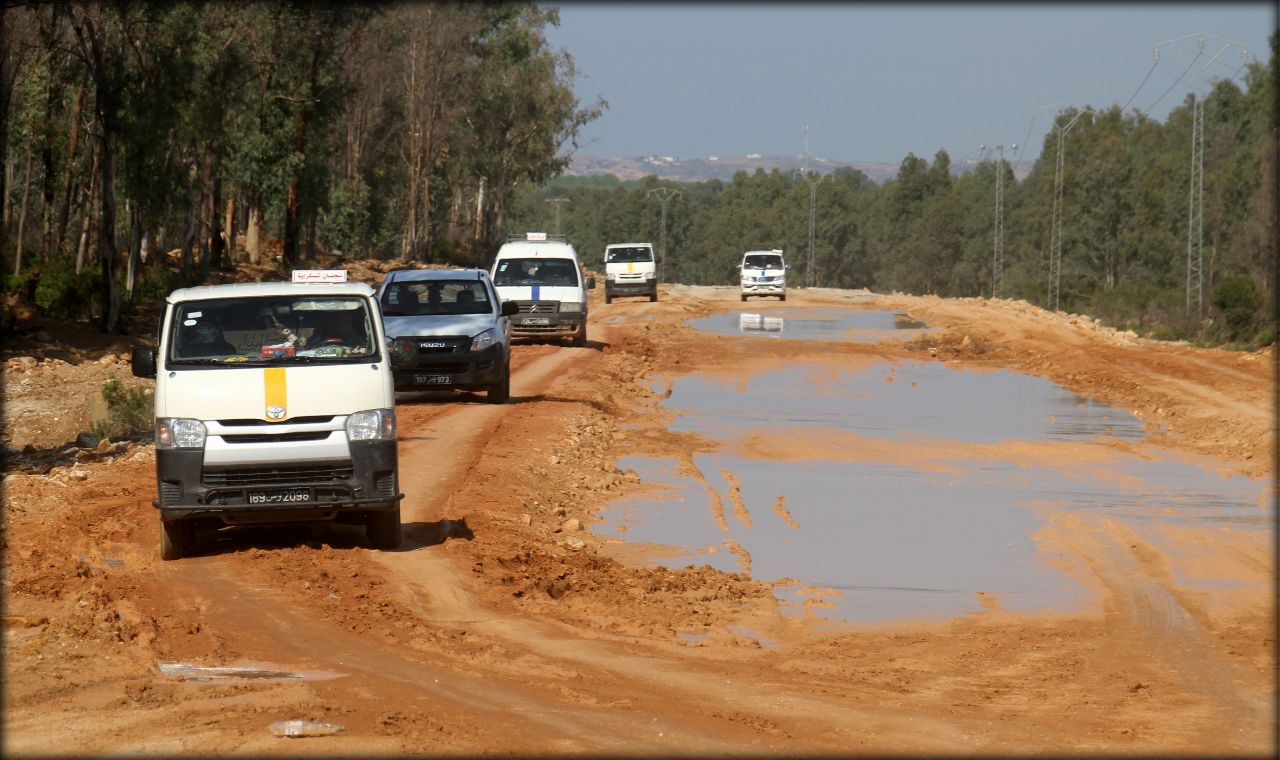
x=143, y=361
x=509, y=308
x=591, y=283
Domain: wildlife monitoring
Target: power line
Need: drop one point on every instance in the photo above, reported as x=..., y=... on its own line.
x=1154, y=64
x=1175, y=82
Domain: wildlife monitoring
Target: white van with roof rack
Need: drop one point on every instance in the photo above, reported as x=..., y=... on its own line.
x=273, y=403
x=542, y=275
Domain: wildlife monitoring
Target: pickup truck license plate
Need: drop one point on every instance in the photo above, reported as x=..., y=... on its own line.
x=537, y=321
x=431, y=380
x=283, y=496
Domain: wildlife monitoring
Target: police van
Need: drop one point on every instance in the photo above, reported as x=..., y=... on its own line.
x=273, y=403
x=542, y=275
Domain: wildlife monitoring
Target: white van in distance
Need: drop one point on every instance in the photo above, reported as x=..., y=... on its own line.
x=273, y=403
x=541, y=273
x=764, y=273
x=630, y=269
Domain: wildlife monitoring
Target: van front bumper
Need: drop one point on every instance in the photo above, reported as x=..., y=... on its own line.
x=267, y=491
x=630, y=288
x=557, y=325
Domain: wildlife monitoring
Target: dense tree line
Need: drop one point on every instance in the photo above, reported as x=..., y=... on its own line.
x=1124, y=217
x=258, y=129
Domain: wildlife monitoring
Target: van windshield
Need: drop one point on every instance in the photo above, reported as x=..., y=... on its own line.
x=272, y=330
x=762, y=261
x=539, y=271
x=431, y=297
x=624, y=255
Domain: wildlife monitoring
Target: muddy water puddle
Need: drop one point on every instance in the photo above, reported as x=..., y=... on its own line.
x=929, y=531
x=814, y=324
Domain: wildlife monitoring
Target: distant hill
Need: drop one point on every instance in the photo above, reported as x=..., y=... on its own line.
x=723, y=167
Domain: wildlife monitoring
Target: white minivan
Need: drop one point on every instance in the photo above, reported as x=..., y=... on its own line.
x=763, y=273
x=542, y=275
x=630, y=269
x=273, y=403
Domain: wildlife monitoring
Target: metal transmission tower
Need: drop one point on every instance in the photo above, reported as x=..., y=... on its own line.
x=808, y=177
x=664, y=196
x=1055, y=227
x=1195, y=192
x=556, y=202
x=997, y=253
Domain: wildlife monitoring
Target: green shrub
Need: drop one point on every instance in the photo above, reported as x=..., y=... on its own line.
x=1239, y=301
x=63, y=293
x=129, y=411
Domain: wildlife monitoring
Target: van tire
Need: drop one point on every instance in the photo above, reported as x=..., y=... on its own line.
x=782, y=297
x=744, y=296
x=653, y=296
x=580, y=339
x=500, y=391
x=177, y=539
x=382, y=528
x=608, y=298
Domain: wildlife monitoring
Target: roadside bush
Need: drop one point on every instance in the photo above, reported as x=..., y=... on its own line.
x=129, y=411
x=1239, y=301
x=63, y=293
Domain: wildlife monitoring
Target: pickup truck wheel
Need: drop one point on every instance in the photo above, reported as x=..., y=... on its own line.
x=177, y=539
x=383, y=528
x=500, y=391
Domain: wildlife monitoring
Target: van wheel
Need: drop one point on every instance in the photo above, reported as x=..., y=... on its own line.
x=500, y=391
x=608, y=298
x=744, y=296
x=177, y=538
x=782, y=297
x=653, y=296
x=383, y=528
x=580, y=339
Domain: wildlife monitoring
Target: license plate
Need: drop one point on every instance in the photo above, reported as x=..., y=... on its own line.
x=289, y=496
x=432, y=379
x=536, y=321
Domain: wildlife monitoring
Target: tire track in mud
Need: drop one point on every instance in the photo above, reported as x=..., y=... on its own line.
x=1145, y=605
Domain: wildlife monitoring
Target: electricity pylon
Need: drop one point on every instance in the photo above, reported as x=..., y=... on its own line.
x=556, y=202
x=1055, y=227
x=808, y=177
x=664, y=196
x=997, y=253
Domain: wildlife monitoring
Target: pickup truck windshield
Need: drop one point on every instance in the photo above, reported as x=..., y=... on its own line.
x=550, y=272
x=762, y=261
x=624, y=255
x=408, y=298
x=272, y=330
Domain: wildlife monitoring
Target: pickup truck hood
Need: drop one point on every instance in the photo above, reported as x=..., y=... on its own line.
x=468, y=325
x=246, y=392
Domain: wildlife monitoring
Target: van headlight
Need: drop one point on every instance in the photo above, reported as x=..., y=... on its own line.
x=179, y=433
x=482, y=341
x=372, y=425
x=611, y=276
x=570, y=306
x=650, y=275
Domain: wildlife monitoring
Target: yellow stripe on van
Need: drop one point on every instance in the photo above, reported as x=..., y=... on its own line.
x=276, y=393
x=630, y=267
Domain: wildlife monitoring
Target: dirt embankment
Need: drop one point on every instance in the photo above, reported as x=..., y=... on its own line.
x=506, y=623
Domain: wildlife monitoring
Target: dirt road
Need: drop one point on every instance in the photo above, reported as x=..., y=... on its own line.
x=500, y=626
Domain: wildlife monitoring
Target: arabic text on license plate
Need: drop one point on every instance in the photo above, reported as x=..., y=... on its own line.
x=288, y=496
x=537, y=320
x=431, y=379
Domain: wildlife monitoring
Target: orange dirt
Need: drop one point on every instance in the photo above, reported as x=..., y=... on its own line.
x=488, y=631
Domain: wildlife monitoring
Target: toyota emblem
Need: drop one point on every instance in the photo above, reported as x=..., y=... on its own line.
x=275, y=412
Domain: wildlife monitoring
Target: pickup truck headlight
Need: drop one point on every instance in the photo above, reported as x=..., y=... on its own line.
x=570, y=306
x=482, y=341
x=179, y=433
x=372, y=425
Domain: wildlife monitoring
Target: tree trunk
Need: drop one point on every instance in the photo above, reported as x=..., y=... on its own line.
x=22, y=216
x=253, y=233
x=479, y=226
x=107, y=240
x=86, y=223
x=46, y=162
x=217, y=243
x=229, y=228
x=188, y=240
x=68, y=174
x=135, y=247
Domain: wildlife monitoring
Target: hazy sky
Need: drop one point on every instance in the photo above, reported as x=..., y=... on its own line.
x=874, y=82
